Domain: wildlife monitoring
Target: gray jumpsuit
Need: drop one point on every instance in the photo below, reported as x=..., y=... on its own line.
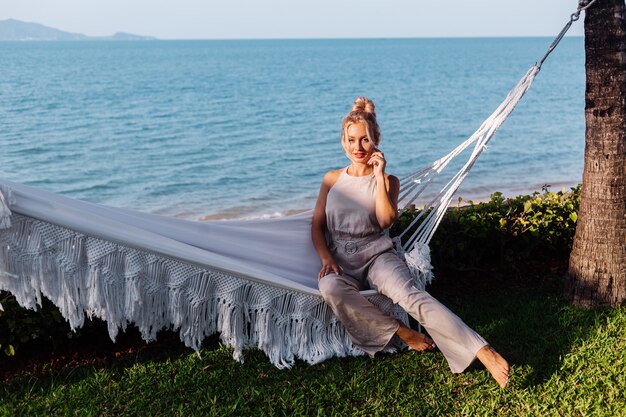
x=368, y=260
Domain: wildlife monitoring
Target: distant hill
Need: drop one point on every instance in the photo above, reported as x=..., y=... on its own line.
x=123, y=36
x=15, y=30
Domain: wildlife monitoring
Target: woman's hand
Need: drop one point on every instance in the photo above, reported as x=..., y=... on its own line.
x=329, y=266
x=377, y=160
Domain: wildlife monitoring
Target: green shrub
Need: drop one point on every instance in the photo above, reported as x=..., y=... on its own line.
x=504, y=234
x=20, y=327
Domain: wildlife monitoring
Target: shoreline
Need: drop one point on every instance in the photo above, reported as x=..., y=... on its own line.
x=460, y=198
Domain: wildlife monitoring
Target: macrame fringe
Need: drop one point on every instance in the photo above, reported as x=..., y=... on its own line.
x=85, y=276
x=418, y=261
x=5, y=212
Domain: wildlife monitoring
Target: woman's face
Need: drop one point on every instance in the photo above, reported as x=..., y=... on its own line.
x=358, y=145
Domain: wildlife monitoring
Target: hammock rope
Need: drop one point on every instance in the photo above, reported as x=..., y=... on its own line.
x=253, y=282
x=582, y=5
x=441, y=201
x=412, y=186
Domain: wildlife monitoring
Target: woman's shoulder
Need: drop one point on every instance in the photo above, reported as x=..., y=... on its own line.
x=331, y=177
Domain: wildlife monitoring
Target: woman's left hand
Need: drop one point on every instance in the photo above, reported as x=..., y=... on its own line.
x=377, y=160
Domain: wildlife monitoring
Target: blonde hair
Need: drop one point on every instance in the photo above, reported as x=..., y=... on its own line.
x=363, y=111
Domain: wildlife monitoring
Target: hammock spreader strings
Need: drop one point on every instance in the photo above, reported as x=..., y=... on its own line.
x=412, y=185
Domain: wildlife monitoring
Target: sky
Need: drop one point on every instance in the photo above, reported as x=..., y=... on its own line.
x=296, y=19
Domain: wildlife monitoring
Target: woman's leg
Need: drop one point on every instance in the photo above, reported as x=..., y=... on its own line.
x=369, y=328
x=458, y=342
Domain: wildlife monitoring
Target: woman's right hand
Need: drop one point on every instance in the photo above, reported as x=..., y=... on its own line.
x=329, y=266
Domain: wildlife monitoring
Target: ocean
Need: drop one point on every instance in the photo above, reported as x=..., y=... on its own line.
x=246, y=129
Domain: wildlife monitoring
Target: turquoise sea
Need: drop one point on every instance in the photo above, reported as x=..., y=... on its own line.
x=219, y=129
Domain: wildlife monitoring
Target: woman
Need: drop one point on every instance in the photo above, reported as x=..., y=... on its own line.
x=355, y=205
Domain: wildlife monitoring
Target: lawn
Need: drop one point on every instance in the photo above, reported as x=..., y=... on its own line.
x=565, y=361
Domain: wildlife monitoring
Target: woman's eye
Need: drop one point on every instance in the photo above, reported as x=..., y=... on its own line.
x=350, y=140
x=366, y=140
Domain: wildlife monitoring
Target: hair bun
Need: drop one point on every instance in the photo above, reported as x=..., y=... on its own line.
x=364, y=104
x=362, y=112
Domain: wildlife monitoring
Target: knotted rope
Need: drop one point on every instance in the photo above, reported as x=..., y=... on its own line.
x=414, y=184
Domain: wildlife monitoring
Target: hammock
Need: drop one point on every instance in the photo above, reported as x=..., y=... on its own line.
x=254, y=282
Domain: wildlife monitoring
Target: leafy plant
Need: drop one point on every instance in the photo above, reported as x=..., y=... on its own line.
x=504, y=233
x=19, y=326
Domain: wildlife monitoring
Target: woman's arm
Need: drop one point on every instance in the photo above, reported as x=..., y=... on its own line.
x=318, y=227
x=387, y=190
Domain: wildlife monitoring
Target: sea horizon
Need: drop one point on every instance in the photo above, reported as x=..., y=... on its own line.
x=382, y=38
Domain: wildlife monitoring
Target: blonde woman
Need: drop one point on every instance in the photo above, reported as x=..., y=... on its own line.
x=355, y=205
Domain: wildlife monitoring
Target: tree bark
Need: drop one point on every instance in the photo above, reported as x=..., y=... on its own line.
x=597, y=267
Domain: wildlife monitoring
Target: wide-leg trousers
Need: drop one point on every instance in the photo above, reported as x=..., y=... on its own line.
x=375, y=265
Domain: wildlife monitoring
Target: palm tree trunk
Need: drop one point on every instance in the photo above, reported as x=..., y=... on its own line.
x=597, y=267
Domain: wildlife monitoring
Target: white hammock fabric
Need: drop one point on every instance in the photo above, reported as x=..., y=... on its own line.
x=253, y=282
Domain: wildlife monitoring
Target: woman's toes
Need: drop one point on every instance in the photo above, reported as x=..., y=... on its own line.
x=497, y=366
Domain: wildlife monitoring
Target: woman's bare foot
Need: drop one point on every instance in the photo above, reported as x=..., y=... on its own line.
x=495, y=364
x=416, y=340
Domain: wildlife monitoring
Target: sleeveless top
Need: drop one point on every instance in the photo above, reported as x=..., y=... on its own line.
x=351, y=206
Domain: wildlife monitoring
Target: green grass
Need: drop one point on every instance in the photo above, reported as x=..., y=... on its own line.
x=565, y=362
